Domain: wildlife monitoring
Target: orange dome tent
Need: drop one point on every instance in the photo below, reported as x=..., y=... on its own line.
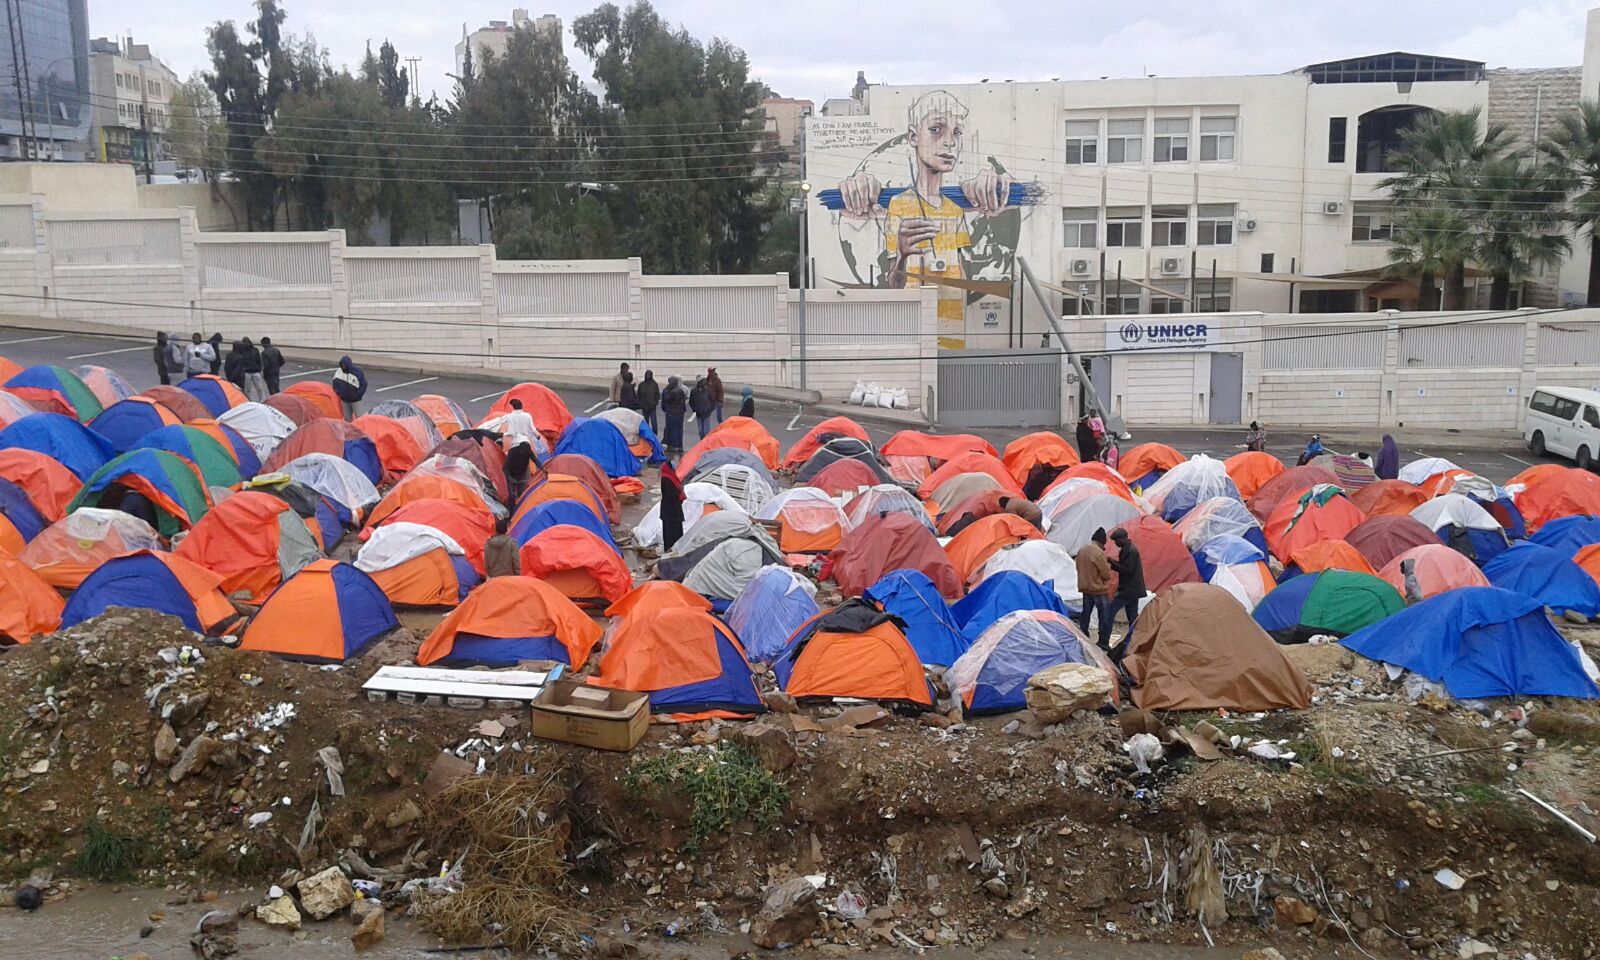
x=1445, y=481
x=398, y=450
x=732, y=440
x=333, y=437
x=817, y=436
x=1321, y=513
x=468, y=524
x=427, y=487
x=1438, y=568
x=1287, y=485
x=28, y=605
x=1036, y=449
x=656, y=595
x=593, y=477
x=687, y=660
x=47, y=483
x=430, y=579
x=578, y=563
x=510, y=619
x=327, y=612
x=559, y=486
x=1389, y=498
x=1251, y=470
x=545, y=406
x=982, y=504
x=319, y=394
x=1589, y=559
x=1328, y=555
x=8, y=368
x=808, y=521
x=911, y=443
x=762, y=443
x=447, y=416
x=970, y=549
x=971, y=463
x=1145, y=463
x=253, y=541
x=1555, y=492
x=854, y=651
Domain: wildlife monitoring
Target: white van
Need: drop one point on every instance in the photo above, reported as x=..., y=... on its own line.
x=1564, y=421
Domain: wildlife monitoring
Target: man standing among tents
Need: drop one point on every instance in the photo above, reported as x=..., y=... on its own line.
x=350, y=383
x=1130, y=584
x=160, y=356
x=649, y=399
x=197, y=359
x=1094, y=582
x=714, y=392
x=271, y=364
x=701, y=403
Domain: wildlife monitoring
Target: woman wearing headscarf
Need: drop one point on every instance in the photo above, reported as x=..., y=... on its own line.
x=672, y=498
x=1387, y=463
x=747, y=406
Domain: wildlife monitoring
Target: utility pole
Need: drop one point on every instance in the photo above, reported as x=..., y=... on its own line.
x=144, y=137
x=805, y=274
x=28, y=145
x=416, y=97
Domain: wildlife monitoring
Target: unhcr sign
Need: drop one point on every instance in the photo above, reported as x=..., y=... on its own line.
x=1146, y=333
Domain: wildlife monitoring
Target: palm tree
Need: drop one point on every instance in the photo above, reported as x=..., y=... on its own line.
x=1575, y=145
x=1431, y=244
x=1518, y=210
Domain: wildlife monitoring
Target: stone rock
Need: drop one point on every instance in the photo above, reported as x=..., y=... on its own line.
x=780, y=702
x=280, y=913
x=1055, y=692
x=216, y=935
x=1475, y=948
x=363, y=908
x=772, y=744
x=1291, y=911
x=120, y=769
x=996, y=887
x=369, y=933
x=402, y=815
x=1265, y=953
x=199, y=750
x=187, y=709
x=166, y=746
x=788, y=914
x=326, y=893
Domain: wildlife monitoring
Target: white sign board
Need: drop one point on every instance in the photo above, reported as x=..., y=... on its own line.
x=1147, y=333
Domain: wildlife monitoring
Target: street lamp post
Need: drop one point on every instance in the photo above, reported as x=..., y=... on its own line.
x=805, y=278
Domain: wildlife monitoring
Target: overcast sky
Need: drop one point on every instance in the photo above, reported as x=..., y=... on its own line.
x=813, y=48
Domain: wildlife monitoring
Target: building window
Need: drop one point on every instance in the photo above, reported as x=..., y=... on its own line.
x=1080, y=227
x=1169, y=226
x=1381, y=132
x=1372, y=223
x=1216, y=137
x=1213, y=296
x=119, y=79
x=1269, y=262
x=1083, y=141
x=1172, y=140
x=1337, y=128
x=1122, y=299
x=1125, y=227
x=1124, y=141
x=1214, y=227
x=1169, y=296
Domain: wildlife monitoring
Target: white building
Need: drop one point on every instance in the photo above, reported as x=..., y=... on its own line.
x=1152, y=195
x=132, y=101
x=493, y=38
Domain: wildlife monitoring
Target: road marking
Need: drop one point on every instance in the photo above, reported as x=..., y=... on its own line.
x=307, y=373
x=408, y=383
x=597, y=406
x=1516, y=459
x=59, y=336
x=104, y=353
x=486, y=396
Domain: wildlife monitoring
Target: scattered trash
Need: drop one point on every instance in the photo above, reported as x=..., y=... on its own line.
x=1145, y=750
x=1449, y=879
x=850, y=905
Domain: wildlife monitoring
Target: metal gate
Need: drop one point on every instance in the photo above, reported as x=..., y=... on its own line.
x=999, y=388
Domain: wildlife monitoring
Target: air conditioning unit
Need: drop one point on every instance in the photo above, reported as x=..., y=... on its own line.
x=1247, y=225
x=1081, y=268
x=1332, y=207
x=1171, y=266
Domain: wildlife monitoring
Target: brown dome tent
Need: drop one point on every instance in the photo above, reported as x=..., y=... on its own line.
x=1196, y=648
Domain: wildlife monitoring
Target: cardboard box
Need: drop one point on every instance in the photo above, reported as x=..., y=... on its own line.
x=617, y=725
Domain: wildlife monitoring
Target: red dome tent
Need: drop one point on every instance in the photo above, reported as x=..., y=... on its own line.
x=1321, y=513
x=1381, y=539
x=885, y=544
x=592, y=476
x=578, y=563
x=936, y=447
x=320, y=394
x=1287, y=485
x=398, y=449
x=298, y=409
x=1167, y=561
x=1389, y=498
x=1037, y=449
x=181, y=402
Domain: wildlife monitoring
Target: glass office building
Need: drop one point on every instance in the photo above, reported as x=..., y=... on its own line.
x=45, y=106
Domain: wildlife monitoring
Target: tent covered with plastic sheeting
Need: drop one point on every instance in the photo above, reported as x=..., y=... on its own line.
x=967, y=463
x=177, y=497
x=724, y=456
x=925, y=618
x=1222, y=550
x=1567, y=535
x=56, y=390
x=13, y=407
x=960, y=487
x=1073, y=526
x=992, y=674
x=837, y=450
x=1248, y=583
x=253, y=541
x=204, y=452
x=20, y=520
x=1251, y=470
x=416, y=420
x=641, y=438
x=589, y=473
x=882, y=545
x=163, y=582
x=1046, y=562
x=1003, y=593
x=1321, y=513
x=1196, y=648
x=1288, y=485
x=1326, y=555
x=125, y=421
x=720, y=569
x=554, y=513
x=809, y=521
x=1479, y=642
x=970, y=549
x=106, y=384
x=398, y=450
x=508, y=620
x=1219, y=517
x=602, y=442
x=1060, y=498
x=770, y=608
x=49, y=485
x=748, y=487
x=886, y=498
x=716, y=527
x=326, y=435
x=578, y=563
x=984, y=503
x=687, y=660
x=1334, y=602
x=1463, y=524
x=394, y=543
x=460, y=471
x=262, y=427
x=699, y=499
x=829, y=429
x=1418, y=471
x=1190, y=483
x=1146, y=463
x=1437, y=569
x=28, y=605
x=1093, y=470
x=218, y=395
x=469, y=527
x=446, y=414
x=856, y=651
x=299, y=409
x=482, y=452
x=61, y=438
x=741, y=433
x=1547, y=576
x=337, y=479
x=1387, y=498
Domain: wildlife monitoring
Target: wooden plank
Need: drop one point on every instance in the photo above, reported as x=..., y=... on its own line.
x=514, y=677
x=445, y=688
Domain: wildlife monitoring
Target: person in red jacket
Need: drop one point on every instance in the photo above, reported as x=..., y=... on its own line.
x=714, y=391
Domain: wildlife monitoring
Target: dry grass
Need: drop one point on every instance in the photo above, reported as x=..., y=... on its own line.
x=1569, y=725
x=513, y=869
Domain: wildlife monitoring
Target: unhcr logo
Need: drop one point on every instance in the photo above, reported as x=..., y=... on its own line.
x=1132, y=333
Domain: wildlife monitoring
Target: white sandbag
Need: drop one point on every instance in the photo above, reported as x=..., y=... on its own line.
x=858, y=393
x=870, y=398
x=902, y=400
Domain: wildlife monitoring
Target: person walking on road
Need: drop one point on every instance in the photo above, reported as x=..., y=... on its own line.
x=160, y=356
x=252, y=382
x=747, y=403
x=674, y=401
x=616, y=384
x=650, y=399
x=1129, y=567
x=700, y=402
x=1094, y=581
x=714, y=391
x=1088, y=446
x=216, y=354
x=271, y=364
x=197, y=359
x=350, y=383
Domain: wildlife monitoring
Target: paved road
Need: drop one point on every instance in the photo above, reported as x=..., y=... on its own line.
x=787, y=421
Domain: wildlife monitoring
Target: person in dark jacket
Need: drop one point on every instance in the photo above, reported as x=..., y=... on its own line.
x=1129, y=567
x=253, y=384
x=649, y=399
x=271, y=364
x=628, y=397
x=674, y=401
x=350, y=383
x=230, y=367
x=160, y=356
x=502, y=556
x=747, y=405
x=701, y=403
x=1088, y=446
x=1387, y=465
x=520, y=462
x=1094, y=582
x=216, y=353
x=672, y=498
x=714, y=391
